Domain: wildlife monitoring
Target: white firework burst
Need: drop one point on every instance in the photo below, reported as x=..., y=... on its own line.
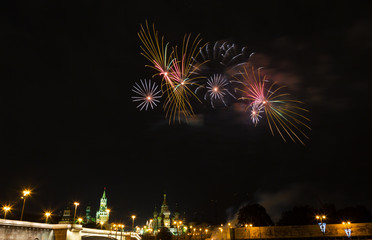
x=216, y=89
x=256, y=110
x=148, y=94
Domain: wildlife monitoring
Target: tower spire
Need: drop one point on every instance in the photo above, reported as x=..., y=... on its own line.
x=104, y=192
x=165, y=199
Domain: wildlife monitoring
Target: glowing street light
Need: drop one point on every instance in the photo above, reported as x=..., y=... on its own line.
x=26, y=193
x=321, y=222
x=133, y=217
x=347, y=228
x=80, y=220
x=76, y=205
x=47, y=215
x=6, y=209
x=101, y=224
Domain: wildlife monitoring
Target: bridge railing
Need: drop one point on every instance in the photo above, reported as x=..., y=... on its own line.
x=25, y=224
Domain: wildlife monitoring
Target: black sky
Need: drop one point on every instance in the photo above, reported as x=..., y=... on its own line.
x=69, y=127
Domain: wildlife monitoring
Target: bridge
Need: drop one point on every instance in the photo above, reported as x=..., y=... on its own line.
x=23, y=230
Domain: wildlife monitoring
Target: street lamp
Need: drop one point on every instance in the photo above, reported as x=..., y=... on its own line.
x=321, y=222
x=80, y=220
x=133, y=217
x=6, y=209
x=347, y=228
x=47, y=215
x=121, y=232
x=76, y=205
x=116, y=232
x=26, y=193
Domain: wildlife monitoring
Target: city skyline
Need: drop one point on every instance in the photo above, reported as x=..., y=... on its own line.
x=70, y=126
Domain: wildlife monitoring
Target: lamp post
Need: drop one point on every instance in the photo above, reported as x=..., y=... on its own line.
x=6, y=209
x=347, y=228
x=121, y=232
x=133, y=217
x=321, y=222
x=250, y=227
x=76, y=205
x=26, y=193
x=116, y=232
x=47, y=215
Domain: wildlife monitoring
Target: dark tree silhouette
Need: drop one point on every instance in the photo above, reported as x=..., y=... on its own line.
x=299, y=215
x=354, y=214
x=164, y=234
x=254, y=214
x=303, y=215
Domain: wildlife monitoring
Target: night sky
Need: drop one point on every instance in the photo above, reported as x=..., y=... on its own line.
x=69, y=127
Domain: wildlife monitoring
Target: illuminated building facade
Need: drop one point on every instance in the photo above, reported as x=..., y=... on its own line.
x=164, y=219
x=67, y=215
x=103, y=214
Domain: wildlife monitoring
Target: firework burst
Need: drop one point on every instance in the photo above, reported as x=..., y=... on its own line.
x=283, y=114
x=256, y=110
x=221, y=56
x=147, y=94
x=179, y=94
x=218, y=61
x=216, y=87
x=216, y=69
x=174, y=69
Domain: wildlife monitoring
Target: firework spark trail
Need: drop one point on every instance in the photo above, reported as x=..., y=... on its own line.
x=148, y=94
x=222, y=53
x=156, y=52
x=282, y=113
x=178, y=103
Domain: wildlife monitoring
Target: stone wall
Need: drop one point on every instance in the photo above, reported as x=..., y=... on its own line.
x=302, y=231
